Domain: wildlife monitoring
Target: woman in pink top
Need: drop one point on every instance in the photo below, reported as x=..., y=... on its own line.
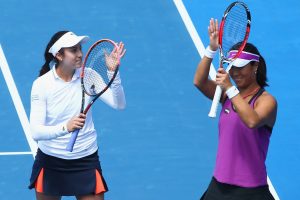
x=245, y=125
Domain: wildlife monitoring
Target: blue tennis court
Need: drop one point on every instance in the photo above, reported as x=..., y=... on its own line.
x=163, y=145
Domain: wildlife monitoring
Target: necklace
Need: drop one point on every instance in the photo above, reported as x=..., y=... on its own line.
x=244, y=97
x=251, y=93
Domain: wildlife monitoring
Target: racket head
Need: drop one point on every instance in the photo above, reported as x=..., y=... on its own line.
x=234, y=28
x=100, y=67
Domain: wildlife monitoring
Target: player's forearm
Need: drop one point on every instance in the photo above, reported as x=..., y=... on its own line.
x=41, y=132
x=115, y=96
x=201, y=81
x=202, y=72
x=119, y=98
x=246, y=113
x=118, y=93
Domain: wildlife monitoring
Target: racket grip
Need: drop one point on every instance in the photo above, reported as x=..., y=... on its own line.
x=214, y=106
x=72, y=141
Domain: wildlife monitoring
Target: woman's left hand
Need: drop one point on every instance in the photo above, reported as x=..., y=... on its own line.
x=223, y=79
x=112, y=60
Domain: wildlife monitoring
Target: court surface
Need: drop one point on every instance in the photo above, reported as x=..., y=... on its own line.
x=163, y=145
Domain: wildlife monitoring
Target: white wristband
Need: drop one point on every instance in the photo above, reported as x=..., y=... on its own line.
x=209, y=53
x=232, y=92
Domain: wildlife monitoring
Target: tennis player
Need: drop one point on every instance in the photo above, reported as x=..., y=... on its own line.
x=55, y=113
x=245, y=125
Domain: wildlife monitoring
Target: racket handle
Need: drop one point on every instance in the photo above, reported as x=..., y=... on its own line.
x=72, y=141
x=214, y=106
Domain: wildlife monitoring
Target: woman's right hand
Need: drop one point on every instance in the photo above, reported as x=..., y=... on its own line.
x=111, y=60
x=213, y=32
x=76, y=122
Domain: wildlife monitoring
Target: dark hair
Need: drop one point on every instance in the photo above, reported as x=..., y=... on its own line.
x=261, y=74
x=48, y=56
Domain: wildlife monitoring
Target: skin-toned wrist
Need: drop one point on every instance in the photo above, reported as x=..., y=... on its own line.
x=68, y=127
x=228, y=86
x=213, y=48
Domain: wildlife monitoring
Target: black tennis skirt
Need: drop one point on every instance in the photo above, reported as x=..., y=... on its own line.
x=222, y=191
x=60, y=177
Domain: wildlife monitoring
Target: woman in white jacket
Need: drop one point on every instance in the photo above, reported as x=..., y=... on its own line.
x=55, y=113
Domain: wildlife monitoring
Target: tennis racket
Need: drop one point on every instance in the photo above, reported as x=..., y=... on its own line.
x=99, y=70
x=234, y=28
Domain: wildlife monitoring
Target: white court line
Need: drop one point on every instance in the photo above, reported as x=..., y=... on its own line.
x=200, y=47
x=194, y=34
x=15, y=153
x=17, y=101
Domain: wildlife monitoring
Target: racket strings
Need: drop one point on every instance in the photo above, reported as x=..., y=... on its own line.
x=97, y=75
x=235, y=28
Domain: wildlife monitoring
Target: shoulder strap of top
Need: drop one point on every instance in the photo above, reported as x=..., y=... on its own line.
x=253, y=99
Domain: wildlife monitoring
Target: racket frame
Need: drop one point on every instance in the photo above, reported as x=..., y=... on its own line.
x=222, y=58
x=83, y=110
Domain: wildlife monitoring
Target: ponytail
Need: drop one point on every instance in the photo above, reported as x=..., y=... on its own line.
x=261, y=74
x=46, y=67
x=48, y=56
